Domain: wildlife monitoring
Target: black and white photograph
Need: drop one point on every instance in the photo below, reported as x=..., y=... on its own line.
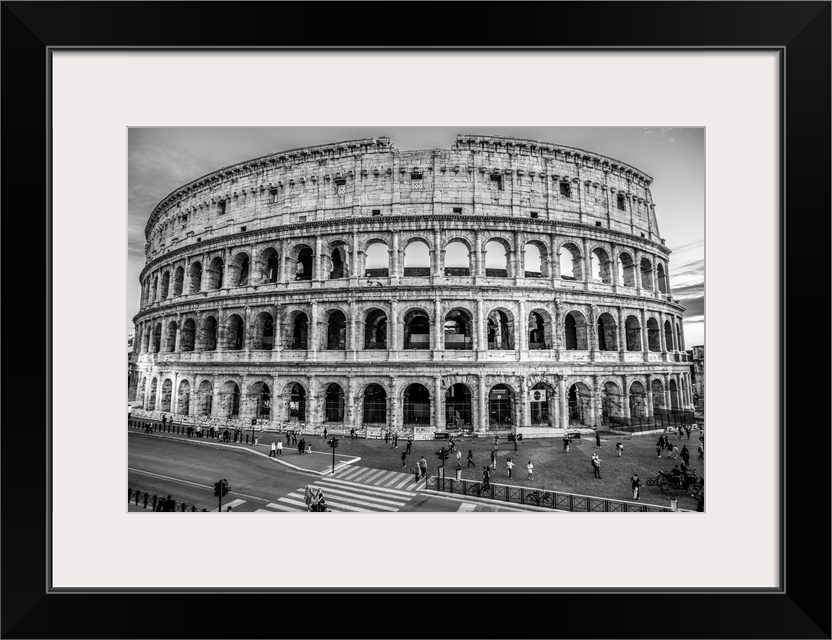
x=416, y=319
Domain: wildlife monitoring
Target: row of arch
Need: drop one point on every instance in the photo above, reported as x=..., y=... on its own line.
x=458, y=260
x=373, y=406
x=458, y=332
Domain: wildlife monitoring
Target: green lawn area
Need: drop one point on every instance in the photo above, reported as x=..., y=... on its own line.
x=553, y=469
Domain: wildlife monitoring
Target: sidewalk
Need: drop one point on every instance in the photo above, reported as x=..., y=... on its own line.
x=317, y=462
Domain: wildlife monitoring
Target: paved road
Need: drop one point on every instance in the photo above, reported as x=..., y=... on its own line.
x=188, y=470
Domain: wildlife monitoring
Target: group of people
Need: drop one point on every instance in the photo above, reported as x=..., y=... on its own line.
x=314, y=498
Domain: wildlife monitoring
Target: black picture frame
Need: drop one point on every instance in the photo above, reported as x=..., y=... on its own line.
x=799, y=31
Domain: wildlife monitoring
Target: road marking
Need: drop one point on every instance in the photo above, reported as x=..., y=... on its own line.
x=232, y=504
x=351, y=471
x=467, y=506
x=364, y=473
x=352, y=492
x=159, y=475
x=391, y=492
x=404, y=482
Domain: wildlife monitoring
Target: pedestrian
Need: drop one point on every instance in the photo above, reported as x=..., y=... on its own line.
x=423, y=467
x=493, y=459
x=228, y=508
x=409, y=445
x=596, y=465
x=458, y=470
x=496, y=441
x=530, y=468
x=636, y=483
x=470, y=459
x=386, y=437
x=701, y=451
x=689, y=429
x=509, y=466
x=658, y=450
x=324, y=433
x=660, y=443
x=280, y=447
x=294, y=437
x=566, y=443
x=685, y=454
x=301, y=445
x=684, y=468
x=674, y=452
x=458, y=456
x=619, y=447
x=352, y=434
x=416, y=472
x=396, y=440
x=190, y=431
x=452, y=445
x=516, y=440
x=226, y=436
x=199, y=431
x=164, y=421
x=273, y=452
x=288, y=437
x=307, y=497
x=597, y=440
x=486, y=479
x=404, y=459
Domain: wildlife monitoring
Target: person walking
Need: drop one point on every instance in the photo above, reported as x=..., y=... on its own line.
x=396, y=440
x=675, y=452
x=597, y=440
x=636, y=483
x=164, y=421
x=701, y=451
x=423, y=467
x=325, y=433
x=516, y=440
x=452, y=445
x=409, y=445
x=493, y=459
x=459, y=457
x=273, y=452
x=470, y=459
x=294, y=437
x=416, y=472
x=566, y=443
x=288, y=437
x=404, y=459
x=352, y=434
x=688, y=429
x=386, y=437
x=486, y=479
x=496, y=441
x=658, y=450
x=619, y=447
x=509, y=466
x=199, y=431
x=530, y=468
x=302, y=445
x=685, y=455
x=226, y=436
x=279, y=448
x=596, y=465
x=661, y=442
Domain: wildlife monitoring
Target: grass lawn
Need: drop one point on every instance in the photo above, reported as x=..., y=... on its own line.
x=553, y=469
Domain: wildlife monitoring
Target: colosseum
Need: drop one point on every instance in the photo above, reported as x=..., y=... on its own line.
x=502, y=284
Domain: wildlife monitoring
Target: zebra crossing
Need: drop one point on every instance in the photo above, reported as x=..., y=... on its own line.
x=347, y=497
x=378, y=478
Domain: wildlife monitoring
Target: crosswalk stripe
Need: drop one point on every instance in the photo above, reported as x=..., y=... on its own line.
x=281, y=507
x=404, y=482
x=383, y=490
x=394, y=480
x=299, y=503
x=341, y=499
x=332, y=506
x=360, y=476
x=373, y=476
x=384, y=477
x=263, y=511
x=363, y=495
x=350, y=471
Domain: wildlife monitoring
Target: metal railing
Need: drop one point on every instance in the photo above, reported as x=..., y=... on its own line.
x=555, y=500
x=158, y=503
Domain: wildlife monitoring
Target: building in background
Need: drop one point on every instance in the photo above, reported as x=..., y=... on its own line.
x=697, y=375
x=500, y=284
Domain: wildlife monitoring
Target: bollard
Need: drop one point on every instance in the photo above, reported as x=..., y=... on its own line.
x=673, y=504
x=246, y=438
x=144, y=504
x=155, y=498
x=129, y=494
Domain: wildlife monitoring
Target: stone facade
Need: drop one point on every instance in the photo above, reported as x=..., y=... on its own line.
x=324, y=285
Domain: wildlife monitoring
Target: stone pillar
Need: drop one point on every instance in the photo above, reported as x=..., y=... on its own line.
x=393, y=408
x=481, y=341
x=350, y=404
x=662, y=337
x=622, y=332
x=215, y=397
x=394, y=258
x=524, y=392
x=247, y=329
x=355, y=271
x=438, y=344
x=587, y=262
x=648, y=410
x=192, y=398
x=645, y=338
x=393, y=329
x=283, y=277
x=521, y=327
x=178, y=337
x=438, y=394
x=555, y=260
x=437, y=254
x=564, y=407
x=317, y=276
x=666, y=389
x=479, y=270
x=352, y=328
x=312, y=341
x=626, y=396
x=482, y=405
x=278, y=329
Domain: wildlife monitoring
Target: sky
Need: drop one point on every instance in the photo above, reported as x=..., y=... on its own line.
x=162, y=159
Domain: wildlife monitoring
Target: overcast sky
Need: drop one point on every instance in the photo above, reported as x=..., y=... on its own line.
x=162, y=159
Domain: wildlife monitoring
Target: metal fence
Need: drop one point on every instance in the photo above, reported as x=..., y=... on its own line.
x=555, y=500
x=212, y=433
x=158, y=503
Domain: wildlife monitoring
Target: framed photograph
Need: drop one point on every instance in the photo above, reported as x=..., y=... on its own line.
x=507, y=243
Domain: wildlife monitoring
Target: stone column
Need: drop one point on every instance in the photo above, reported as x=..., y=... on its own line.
x=312, y=341
x=394, y=258
x=283, y=277
x=521, y=327
x=666, y=389
x=437, y=254
x=247, y=330
x=478, y=263
x=215, y=397
x=317, y=276
x=648, y=410
x=482, y=405
x=555, y=260
x=481, y=343
x=524, y=392
x=394, y=413
x=662, y=337
x=350, y=417
x=278, y=329
x=438, y=344
x=626, y=396
x=564, y=407
x=645, y=338
x=393, y=329
x=178, y=337
x=437, y=404
x=352, y=328
x=587, y=262
x=622, y=332
x=355, y=271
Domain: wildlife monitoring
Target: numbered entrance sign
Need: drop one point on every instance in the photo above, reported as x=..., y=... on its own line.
x=537, y=395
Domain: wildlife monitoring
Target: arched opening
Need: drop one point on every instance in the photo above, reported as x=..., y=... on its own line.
x=416, y=405
x=574, y=326
x=334, y=404
x=496, y=259
x=186, y=340
x=151, y=398
x=638, y=400
x=416, y=330
x=457, y=330
x=646, y=274
x=375, y=405
x=534, y=266
x=170, y=338
x=626, y=270
x=607, y=333
x=183, y=398
x=261, y=399
x=570, y=262
x=658, y=397
x=239, y=268
x=674, y=395
x=230, y=400
x=303, y=263
x=501, y=407
x=167, y=393
x=178, y=281
x=336, y=331
x=457, y=259
x=500, y=330
x=633, y=329
x=542, y=405
x=208, y=339
x=653, y=336
x=458, y=407
x=270, y=264
x=163, y=294
x=610, y=404
x=579, y=401
x=195, y=278
x=377, y=261
x=416, y=259
x=601, y=271
x=215, y=274
x=668, y=336
x=263, y=332
x=204, y=398
x=157, y=338
x=300, y=331
x=338, y=264
x=234, y=333
x=375, y=330
x=537, y=331
x=297, y=403
x=661, y=278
